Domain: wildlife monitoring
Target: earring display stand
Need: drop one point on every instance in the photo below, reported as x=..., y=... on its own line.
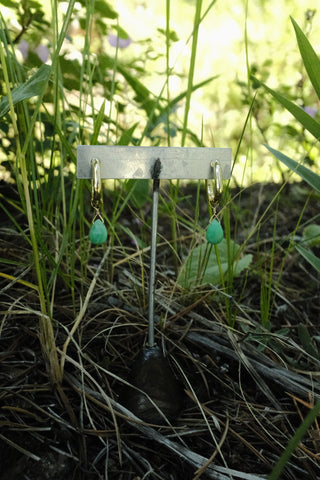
x=137, y=162
x=151, y=373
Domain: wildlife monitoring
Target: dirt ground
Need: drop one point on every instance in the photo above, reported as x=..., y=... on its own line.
x=244, y=391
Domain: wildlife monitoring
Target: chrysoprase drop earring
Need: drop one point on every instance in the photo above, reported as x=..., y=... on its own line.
x=214, y=233
x=98, y=233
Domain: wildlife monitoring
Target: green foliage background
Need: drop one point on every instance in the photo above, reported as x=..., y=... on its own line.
x=128, y=86
x=180, y=74
x=223, y=74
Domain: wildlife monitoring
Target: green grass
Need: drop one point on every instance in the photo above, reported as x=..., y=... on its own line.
x=294, y=442
x=54, y=201
x=65, y=211
x=57, y=207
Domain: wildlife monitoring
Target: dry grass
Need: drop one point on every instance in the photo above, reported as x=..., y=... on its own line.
x=245, y=390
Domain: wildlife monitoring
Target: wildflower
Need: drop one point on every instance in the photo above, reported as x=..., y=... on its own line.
x=24, y=48
x=310, y=111
x=43, y=52
x=115, y=41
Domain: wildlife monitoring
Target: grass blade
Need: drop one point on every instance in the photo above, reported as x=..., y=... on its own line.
x=32, y=87
x=195, y=87
x=310, y=257
x=310, y=177
x=294, y=441
x=97, y=124
x=304, y=118
x=196, y=24
x=310, y=58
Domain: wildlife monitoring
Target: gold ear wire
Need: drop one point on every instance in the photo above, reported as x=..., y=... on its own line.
x=214, y=188
x=214, y=233
x=98, y=233
x=218, y=177
x=96, y=184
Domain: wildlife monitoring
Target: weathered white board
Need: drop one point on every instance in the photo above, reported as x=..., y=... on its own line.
x=138, y=162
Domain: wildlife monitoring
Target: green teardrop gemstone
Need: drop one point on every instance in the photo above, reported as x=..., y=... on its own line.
x=98, y=233
x=214, y=233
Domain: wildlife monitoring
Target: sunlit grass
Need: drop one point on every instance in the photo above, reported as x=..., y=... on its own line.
x=216, y=110
x=221, y=50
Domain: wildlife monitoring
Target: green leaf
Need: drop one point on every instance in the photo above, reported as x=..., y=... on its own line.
x=126, y=137
x=97, y=124
x=304, y=118
x=121, y=32
x=310, y=257
x=9, y=3
x=201, y=266
x=310, y=177
x=311, y=235
x=172, y=35
x=105, y=9
x=306, y=340
x=141, y=91
x=102, y=8
x=310, y=58
x=32, y=87
x=139, y=190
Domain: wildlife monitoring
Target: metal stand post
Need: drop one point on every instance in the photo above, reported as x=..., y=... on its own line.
x=155, y=202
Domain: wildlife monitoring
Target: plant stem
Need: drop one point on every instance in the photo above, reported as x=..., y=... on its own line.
x=216, y=250
x=168, y=68
x=47, y=338
x=196, y=23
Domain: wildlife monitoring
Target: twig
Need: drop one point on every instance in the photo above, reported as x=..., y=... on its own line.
x=201, y=470
x=20, y=449
x=83, y=309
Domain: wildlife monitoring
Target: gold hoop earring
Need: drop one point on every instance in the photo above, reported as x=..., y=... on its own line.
x=98, y=232
x=214, y=233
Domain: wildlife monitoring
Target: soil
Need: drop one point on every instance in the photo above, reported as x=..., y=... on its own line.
x=245, y=388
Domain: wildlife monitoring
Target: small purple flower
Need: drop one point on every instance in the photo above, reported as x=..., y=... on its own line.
x=115, y=41
x=43, y=52
x=310, y=111
x=24, y=48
